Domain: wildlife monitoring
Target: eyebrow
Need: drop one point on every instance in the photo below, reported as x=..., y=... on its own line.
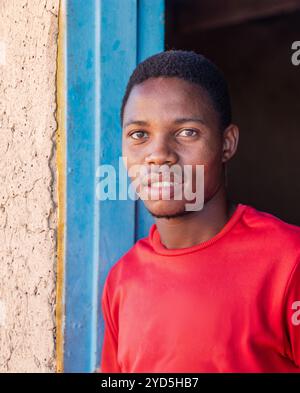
x=176, y=121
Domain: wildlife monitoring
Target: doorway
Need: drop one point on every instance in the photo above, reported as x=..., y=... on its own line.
x=250, y=42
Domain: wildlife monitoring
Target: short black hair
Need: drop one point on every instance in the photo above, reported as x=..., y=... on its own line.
x=191, y=67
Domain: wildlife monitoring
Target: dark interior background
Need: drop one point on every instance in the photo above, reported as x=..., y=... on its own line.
x=251, y=42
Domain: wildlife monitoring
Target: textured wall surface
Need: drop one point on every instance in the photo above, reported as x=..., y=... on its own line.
x=28, y=47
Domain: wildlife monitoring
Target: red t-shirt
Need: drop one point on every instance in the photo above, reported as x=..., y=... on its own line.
x=229, y=304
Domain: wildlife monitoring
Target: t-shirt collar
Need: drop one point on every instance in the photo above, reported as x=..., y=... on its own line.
x=159, y=248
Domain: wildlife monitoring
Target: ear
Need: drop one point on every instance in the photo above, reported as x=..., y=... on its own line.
x=230, y=142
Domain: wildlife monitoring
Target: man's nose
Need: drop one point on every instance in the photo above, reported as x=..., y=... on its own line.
x=160, y=153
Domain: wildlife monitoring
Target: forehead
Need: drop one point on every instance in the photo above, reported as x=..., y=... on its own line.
x=166, y=98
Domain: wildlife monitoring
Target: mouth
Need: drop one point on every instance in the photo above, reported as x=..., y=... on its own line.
x=160, y=180
x=162, y=184
x=162, y=189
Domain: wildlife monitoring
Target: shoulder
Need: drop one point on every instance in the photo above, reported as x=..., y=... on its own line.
x=130, y=264
x=271, y=225
x=271, y=232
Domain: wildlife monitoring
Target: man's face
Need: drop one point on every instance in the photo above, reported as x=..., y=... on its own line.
x=169, y=121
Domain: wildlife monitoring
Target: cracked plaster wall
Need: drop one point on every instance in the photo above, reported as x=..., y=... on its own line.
x=28, y=48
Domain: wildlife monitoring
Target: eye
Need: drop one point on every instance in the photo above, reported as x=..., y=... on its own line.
x=187, y=132
x=138, y=135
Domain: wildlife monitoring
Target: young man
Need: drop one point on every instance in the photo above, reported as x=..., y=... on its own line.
x=209, y=290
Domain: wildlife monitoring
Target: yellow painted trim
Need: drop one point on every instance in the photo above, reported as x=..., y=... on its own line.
x=61, y=173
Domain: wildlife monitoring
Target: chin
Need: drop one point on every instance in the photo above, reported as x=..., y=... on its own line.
x=166, y=209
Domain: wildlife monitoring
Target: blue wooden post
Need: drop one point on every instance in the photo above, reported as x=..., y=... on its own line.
x=105, y=41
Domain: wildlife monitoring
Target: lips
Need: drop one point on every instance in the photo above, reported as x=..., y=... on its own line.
x=156, y=186
x=162, y=184
x=160, y=180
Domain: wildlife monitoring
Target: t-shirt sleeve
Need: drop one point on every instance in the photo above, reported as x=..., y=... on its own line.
x=109, y=361
x=293, y=315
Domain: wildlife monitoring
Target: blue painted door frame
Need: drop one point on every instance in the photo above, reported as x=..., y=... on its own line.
x=105, y=41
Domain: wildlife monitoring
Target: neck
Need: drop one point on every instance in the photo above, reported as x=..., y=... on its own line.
x=196, y=227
